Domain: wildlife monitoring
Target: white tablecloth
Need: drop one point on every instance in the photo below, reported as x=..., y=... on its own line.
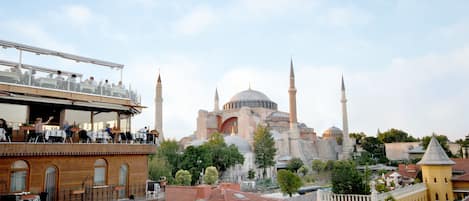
x=94, y=135
x=139, y=135
x=55, y=133
x=51, y=82
x=3, y=136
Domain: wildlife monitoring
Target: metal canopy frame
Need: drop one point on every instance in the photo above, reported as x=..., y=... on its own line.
x=33, y=67
x=37, y=50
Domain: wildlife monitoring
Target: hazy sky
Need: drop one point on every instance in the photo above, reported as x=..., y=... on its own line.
x=405, y=63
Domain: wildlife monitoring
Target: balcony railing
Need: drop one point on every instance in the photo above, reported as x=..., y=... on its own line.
x=54, y=79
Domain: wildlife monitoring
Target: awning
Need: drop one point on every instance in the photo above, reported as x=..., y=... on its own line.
x=90, y=105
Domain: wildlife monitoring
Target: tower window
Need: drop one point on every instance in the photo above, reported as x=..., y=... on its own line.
x=436, y=196
x=447, y=197
x=434, y=179
x=446, y=180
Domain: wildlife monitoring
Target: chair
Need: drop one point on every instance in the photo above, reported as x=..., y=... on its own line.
x=128, y=136
x=152, y=189
x=40, y=136
x=84, y=136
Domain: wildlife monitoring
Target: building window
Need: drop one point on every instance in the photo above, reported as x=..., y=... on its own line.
x=434, y=179
x=436, y=196
x=447, y=197
x=123, y=175
x=19, y=176
x=100, y=167
x=446, y=180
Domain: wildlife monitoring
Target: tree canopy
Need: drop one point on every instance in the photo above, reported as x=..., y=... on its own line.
x=264, y=148
x=183, y=177
x=346, y=179
x=318, y=165
x=294, y=164
x=395, y=135
x=211, y=175
x=288, y=181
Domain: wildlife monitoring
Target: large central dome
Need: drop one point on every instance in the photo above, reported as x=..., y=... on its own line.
x=250, y=98
x=250, y=95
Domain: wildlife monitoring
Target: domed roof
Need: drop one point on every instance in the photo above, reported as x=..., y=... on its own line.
x=332, y=132
x=242, y=144
x=249, y=95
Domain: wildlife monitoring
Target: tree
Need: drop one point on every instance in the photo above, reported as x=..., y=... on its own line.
x=303, y=170
x=346, y=179
x=395, y=135
x=358, y=137
x=195, y=159
x=211, y=175
x=294, y=164
x=264, y=149
x=158, y=167
x=223, y=156
x=171, y=152
x=442, y=139
x=183, y=177
x=318, y=165
x=375, y=147
x=288, y=181
x=251, y=174
x=329, y=165
x=463, y=148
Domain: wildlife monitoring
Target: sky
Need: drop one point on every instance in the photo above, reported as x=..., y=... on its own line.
x=405, y=62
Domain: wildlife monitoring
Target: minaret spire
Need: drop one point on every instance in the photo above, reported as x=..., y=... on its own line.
x=159, y=107
x=292, y=96
x=347, y=147
x=216, y=106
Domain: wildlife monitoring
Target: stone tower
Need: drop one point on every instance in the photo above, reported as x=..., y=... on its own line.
x=292, y=96
x=216, y=106
x=159, y=108
x=437, y=172
x=347, y=143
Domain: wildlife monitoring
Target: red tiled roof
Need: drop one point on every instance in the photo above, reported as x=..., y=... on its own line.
x=464, y=177
x=462, y=164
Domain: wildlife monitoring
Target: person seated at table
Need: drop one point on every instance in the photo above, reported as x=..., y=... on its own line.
x=5, y=134
x=39, y=128
x=68, y=131
x=59, y=76
x=92, y=81
x=120, y=85
x=108, y=130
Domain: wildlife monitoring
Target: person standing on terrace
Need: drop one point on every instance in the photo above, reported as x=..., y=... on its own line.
x=39, y=127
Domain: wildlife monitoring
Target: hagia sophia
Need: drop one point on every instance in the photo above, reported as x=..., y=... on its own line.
x=240, y=116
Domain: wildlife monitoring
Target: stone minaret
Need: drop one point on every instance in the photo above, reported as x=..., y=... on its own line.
x=216, y=107
x=159, y=108
x=292, y=94
x=347, y=143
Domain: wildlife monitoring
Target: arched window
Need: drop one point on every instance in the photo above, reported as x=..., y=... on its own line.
x=446, y=180
x=434, y=179
x=436, y=196
x=123, y=175
x=19, y=176
x=447, y=197
x=50, y=183
x=100, y=167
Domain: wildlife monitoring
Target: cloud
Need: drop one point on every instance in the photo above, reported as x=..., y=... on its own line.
x=197, y=21
x=344, y=17
x=36, y=35
x=77, y=14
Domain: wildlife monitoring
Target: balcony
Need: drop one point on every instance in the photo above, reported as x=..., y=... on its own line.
x=75, y=149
